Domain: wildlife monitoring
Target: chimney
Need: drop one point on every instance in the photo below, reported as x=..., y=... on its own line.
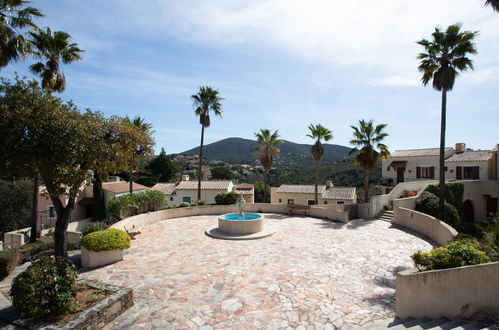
x=185, y=177
x=460, y=147
x=329, y=184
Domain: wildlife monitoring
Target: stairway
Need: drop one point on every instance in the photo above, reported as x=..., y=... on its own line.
x=385, y=216
x=426, y=323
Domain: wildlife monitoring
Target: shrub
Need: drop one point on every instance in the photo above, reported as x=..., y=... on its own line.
x=8, y=261
x=184, y=204
x=33, y=251
x=226, y=198
x=50, y=232
x=194, y=204
x=125, y=206
x=428, y=203
x=456, y=253
x=106, y=240
x=93, y=226
x=45, y=289
x=201, y=202
x=454, y=193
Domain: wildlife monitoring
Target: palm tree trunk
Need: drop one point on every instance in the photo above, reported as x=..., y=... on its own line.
x=200, y=162
x=441, y=202
x=316, y=182
x=34, y=209
x=266, y=179
x=366, y=187
x=131, y=182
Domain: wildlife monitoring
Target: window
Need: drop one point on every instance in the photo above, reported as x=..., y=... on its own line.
x=340, y=202
x=388, y=169
x=471, y=172
x=280, y=200
x=291, y=201
x=186, y=199
x=426, y=172
x=325, y=202
x=311, y=202
x=51, y=212
x=171, y=199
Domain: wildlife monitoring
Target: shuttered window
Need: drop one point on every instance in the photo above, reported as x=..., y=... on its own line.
x=426, y=172
x=471, y=172
x=459, y=172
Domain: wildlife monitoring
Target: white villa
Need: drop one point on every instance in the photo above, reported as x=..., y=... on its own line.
x=305, y=194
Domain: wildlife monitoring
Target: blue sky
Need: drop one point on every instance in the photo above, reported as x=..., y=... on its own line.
x=279, y=64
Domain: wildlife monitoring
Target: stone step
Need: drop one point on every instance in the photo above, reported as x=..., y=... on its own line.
x=454, y=324
x=425, y=324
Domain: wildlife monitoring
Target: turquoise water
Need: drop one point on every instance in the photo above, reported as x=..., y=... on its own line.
x=247, y=216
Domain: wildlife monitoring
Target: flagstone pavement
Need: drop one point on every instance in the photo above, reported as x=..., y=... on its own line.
x=311, y=274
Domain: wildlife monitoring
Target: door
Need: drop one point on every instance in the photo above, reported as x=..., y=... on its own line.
x=491, y=207
x=400, y=174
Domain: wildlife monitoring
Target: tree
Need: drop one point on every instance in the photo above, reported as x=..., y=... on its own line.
x=268, y=146
x=205, y=100
x=162, y=167
x=55, y=139
x=318, y=133
x=98, y=199
x=493, y=3
x=15, y=16
x=54, y=48
x=15, y=203
x=368, y=148
x=444, y=57
x=221, y=173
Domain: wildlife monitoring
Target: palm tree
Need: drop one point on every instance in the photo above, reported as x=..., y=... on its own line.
x=15, y=15
x=140, y=124
x=54, y=47
x=205, y=100
x=445, y=55
x=268, y=146
x=318, y=132
x=369, y=148
x=493, y=3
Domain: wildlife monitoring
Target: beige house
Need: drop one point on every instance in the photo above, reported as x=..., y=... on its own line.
x=305, y=194
x=187, y=190
x=247, y=191
x=166, y=188
x=120, y=188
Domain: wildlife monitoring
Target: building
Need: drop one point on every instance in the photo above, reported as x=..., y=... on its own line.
x=187, y=190
x=305, y=194
x=247, y=191
x=166, y=188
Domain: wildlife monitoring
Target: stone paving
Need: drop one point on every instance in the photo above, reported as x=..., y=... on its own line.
x=311, y=274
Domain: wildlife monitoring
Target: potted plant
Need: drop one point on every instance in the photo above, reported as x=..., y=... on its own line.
x=103, y=247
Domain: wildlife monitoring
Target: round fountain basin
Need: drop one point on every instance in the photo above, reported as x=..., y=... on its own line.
x=233, y=223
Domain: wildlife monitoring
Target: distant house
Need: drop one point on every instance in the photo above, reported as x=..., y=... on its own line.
x=120, y=188
x=305, y=194
x=247, y=191
x=187, y=191
x=166, y=188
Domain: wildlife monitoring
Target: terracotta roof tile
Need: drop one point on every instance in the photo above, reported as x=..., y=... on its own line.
x=205, y=185
x=299, y=189
x=165, y=188
x=339, y=193
x=471, y=156
x=418, y=152
x=121, y=187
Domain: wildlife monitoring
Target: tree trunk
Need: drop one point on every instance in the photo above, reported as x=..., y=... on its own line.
x=131, y=182
x=98, y=201
x=34, y=209
x=366, y=187
x=61, y=227
x=200, y=162
x=265, y=180
x=441, y=202
x=316, y=182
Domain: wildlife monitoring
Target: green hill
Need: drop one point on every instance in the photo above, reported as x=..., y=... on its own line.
x=238, y=150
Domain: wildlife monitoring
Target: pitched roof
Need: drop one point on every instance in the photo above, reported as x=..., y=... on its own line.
x=339, y=193
x=244, y=186
x=205, y=185
x=471, y=156
x=418, y=152
x=165, y=188
x=299, y=188
x=121, y=187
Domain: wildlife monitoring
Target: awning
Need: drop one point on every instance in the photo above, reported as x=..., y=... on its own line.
x=398, y=163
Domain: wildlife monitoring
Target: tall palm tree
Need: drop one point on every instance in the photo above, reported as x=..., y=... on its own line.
x=15, y=15
x=268, y=146
x=140, y=124
x=444, y=57
x=318, y=133
x=493, y=3
x=367, y=141
x=54, y=47
x=205, y=100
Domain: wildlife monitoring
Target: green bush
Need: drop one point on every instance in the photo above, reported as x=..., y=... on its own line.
x=201, y=202
x=184, y=204
x=194, y=204
x=45, y=289
x=454, y=193
x=36, y=250
x=106, y=240
x=226, y=198
x=125, y=206
x=93, y=226
x=8, y=261
x=456, y=253
x=428, y=203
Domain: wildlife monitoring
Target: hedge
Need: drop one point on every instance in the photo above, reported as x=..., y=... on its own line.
x=226, y=198
x=106, y=240
x=428, y=203
x=454, y=193
x=125, y=206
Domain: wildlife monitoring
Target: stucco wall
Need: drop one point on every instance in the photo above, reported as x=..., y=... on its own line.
x=477, y=192
x=435, y=229
x=453, y=293
x=302, y=199
x=408, y=202
x=207, y=195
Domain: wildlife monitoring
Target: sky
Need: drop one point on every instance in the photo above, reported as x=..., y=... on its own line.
x=278, y=64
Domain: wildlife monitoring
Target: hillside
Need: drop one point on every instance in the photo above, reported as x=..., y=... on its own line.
x=238, y=150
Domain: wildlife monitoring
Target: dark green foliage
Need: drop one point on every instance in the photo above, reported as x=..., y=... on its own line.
x=8, y=261
x=15, y=205
x=106, y=240
x=98, y=200
x=162, y=167
x=226, y=198
x=45, y=289
x=428, y=203
x=454, y=254
x=92, y=227
x=184, y=204
x=221, y=173
x=125, y=206
x=454, y=193
x=259, y=189
x=32, y=251
x=201, y=202
x=147, y=181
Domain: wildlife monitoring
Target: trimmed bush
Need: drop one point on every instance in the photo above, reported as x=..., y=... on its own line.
x=8, y=261
x=125, y=206
x=428, y=203
x=454, y=254
x=92, y=227
x=226, y=198
x=184, y=204
x=106, y=240
x=45, y=289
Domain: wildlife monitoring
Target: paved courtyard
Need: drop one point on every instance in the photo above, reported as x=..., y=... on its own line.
x=310, y=274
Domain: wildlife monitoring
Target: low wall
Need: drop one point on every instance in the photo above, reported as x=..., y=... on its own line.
x=325, y=213
x=453, y=293
x=363, y=210
x=437, y=230
x=408, y=202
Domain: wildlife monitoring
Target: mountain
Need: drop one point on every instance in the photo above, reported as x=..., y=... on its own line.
x=237, y=150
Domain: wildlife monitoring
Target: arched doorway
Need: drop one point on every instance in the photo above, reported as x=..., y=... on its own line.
x=468, y=211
